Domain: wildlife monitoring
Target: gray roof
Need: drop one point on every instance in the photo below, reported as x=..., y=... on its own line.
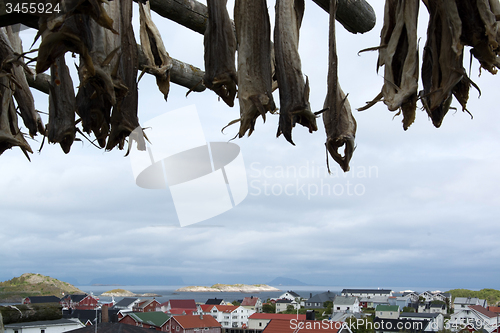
x=418, y=315
x=344, y=300
x=294, y=294
x=323, y=297
x=366, y=291
x=469, y=301
x=125, y=303
x=44, y=323
x=214, y=301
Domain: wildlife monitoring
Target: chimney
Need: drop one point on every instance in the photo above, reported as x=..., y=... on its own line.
x=310, y=315
x=310, y=295
x=104, y=314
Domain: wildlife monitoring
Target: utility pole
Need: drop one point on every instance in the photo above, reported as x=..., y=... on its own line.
x=1, y=324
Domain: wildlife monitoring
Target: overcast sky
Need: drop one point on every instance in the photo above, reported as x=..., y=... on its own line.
x=418, y=209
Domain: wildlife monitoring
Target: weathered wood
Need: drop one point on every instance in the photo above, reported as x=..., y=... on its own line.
x=189, y=13
x=357, y=16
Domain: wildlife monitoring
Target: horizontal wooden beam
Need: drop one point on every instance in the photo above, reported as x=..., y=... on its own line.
x=357, y=16
x=181, y=73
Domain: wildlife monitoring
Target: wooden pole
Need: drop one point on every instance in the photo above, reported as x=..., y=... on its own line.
x=2, y=330
x=181, y=73
x=357, y=16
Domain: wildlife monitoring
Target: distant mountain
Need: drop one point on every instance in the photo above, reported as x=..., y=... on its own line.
x=123, y=280
x=283, y=281
x=30, y=284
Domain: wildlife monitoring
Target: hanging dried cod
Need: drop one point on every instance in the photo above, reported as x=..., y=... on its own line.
x=22, y=92
x=480, y=30
x=294, y=93
x=253, y=32
x=10, y=134
x=159, y=62
x=220, y=48
x=124, y=118
x=398, y=53
x=62, y=106
x=340, y=125
x=442, y=70
x=96, y=94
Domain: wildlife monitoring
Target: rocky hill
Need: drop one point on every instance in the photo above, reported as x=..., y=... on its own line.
x=244, y=288
x=28, y=284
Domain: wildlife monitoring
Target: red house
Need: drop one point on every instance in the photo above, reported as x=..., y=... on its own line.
x=80, y=302
x=193, y=323
x=148, y=305
x=179, y=307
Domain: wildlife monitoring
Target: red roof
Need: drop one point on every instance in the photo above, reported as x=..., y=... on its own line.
x=483, y=311
x=269, y=316
x=302, y=326
x=189, y=321
x=249, y=301
x=206, y=307
x=183, y=303
x=226, y=308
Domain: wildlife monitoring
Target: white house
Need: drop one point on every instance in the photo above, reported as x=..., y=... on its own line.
x=387, y=311
x=282, y=305
x=475, y=317
x=462, y=303
x=229, y=316
x=45, y=326
x=292, y=296
x=346, y=304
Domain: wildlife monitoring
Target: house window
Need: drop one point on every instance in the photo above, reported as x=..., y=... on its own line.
x=42, y=331
x=260, y=325
x=177, y=328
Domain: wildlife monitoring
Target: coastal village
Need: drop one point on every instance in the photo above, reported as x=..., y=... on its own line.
x=348, y=311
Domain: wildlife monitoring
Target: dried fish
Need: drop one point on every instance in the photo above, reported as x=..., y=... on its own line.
x=220, y=48
x=294, y=93
x=22, y=92
x=10, y=134
x=253, y=32
x=124, y=115
x=398, y=53
x=70, y=31
x=480, y=31
x=96, y=95
x=340, y=125
x=62, y=106
x=442, y=68
x=159, y=62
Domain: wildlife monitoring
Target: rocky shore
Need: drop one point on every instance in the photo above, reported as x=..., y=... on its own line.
x=243, y=288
